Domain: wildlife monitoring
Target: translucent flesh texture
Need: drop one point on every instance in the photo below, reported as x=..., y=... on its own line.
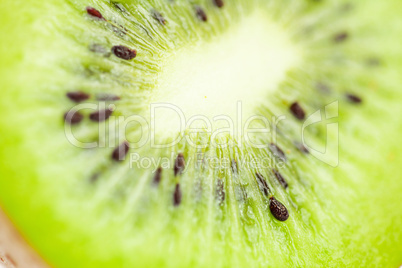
x=344, y=216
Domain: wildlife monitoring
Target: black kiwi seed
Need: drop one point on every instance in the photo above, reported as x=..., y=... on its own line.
x=219, y=3
x=73, y=117
x=177, y=196
x=263, y=184
x=157, y=176
x=279, y=210
x=158, y=16
x=297, y=111
x=119, y=154
x=124, y=53
x=179, y=164
x=219, y=191
x=234, y=166
x=279, y=177
x=201, y=13
x=353, y=98
x=100, y=115
x=340, y=37
x=94, y=13
x=277, y=151
x=77, y=96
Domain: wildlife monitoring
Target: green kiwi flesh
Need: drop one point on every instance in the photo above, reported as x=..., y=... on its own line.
x=202, y=203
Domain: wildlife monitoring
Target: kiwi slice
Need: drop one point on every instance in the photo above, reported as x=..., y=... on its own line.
x=203, y=133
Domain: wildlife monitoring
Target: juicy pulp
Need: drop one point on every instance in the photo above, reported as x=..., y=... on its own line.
x=123, y=220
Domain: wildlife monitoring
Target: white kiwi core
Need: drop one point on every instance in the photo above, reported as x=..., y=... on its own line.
x=241, y=67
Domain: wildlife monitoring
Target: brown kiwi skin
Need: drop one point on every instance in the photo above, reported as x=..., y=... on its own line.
x=15, y=251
